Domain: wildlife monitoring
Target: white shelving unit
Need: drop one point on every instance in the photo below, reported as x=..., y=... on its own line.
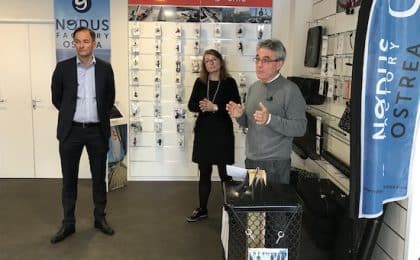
x=164, y=58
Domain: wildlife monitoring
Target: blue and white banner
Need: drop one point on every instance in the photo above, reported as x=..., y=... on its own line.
x=71, y=14
x=389, y=103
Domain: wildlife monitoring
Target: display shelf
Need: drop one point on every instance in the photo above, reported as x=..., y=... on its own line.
x=334, y=175
x=324, y=169
x=165, y=55
x=330, y=109
x=331, y=115
x=335, y=140
x=318, y=76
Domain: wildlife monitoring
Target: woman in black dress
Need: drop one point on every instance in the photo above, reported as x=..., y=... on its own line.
x=213, y=131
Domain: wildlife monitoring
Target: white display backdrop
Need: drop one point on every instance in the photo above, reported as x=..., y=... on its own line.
x=162, y=58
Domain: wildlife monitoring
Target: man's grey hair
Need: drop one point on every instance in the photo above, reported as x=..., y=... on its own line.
x=274, y=45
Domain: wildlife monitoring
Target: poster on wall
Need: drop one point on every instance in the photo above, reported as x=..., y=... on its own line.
x=70, y=15
x=117, y=156
x=389, y=104
x=260, y=3
x=204, y=11
x=235, y=15
x=147, y=13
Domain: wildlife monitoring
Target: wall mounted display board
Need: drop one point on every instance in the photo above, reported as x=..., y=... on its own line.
x=166, y=42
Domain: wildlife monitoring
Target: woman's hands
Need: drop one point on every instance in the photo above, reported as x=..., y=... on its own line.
x=207, y=106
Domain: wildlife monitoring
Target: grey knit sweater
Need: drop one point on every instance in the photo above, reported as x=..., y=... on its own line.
x=285, y=103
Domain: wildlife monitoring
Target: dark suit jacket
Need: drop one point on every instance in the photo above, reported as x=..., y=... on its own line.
x=64, y=94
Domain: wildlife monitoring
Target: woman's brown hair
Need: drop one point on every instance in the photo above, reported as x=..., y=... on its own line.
x=223, y=71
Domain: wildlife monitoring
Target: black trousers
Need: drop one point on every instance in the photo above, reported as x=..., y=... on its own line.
x=70, y=152
x=204, y=185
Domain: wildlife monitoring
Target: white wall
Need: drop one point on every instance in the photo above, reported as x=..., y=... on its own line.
x=43, y=10
x=27, y=10
x=280, y=28
x=298, y=25
x=119, y=51
x=289, y=25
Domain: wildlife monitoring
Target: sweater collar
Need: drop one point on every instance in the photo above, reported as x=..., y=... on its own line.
x=274, y=81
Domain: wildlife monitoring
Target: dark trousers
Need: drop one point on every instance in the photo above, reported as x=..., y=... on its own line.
x=70, y=152
x=204, y=185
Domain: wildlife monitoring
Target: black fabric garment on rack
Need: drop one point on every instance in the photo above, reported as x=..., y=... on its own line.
x=313, y=44
x=309, y=88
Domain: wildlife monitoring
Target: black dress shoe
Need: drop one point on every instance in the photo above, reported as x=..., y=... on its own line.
x=65, y=231
x=103, y=226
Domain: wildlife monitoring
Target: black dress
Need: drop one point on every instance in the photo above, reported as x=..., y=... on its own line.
x=214, y=141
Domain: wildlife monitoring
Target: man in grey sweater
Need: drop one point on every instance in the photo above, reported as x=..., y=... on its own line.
x=274, y=113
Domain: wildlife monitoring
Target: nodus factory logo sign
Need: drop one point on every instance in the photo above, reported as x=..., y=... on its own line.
x=82, y=6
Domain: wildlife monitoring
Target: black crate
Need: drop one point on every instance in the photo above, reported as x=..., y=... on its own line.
x=262, y=217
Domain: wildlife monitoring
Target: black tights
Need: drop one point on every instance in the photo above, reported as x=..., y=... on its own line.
x=204, y=186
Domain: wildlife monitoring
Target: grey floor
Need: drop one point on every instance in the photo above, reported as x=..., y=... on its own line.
x=148, y=217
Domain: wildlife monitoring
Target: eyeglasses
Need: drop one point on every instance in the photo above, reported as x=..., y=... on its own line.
x=210, y=61
x=264, y=60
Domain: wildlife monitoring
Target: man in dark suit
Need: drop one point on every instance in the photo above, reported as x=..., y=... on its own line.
x=83, y=92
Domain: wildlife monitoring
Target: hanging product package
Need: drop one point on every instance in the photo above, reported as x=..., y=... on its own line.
x=345, y=120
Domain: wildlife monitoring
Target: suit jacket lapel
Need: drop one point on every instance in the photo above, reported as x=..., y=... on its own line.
x=98, y=79
x=73, y=73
